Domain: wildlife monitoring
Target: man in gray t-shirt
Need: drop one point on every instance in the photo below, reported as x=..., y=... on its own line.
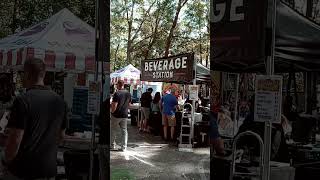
x=36, y=125
x=119, y=114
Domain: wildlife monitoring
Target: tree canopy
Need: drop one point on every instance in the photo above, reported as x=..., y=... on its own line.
x=140, y=29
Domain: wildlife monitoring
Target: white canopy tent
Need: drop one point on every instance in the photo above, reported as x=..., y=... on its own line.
x=130, y=75
x=64, y=42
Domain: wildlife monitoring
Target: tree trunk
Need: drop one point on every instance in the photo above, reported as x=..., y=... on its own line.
x=309, y=8
x=200, y=42
x=129, y=44
x=154, y=35
x=115, y=58
x=14, y=17
x=181, y=3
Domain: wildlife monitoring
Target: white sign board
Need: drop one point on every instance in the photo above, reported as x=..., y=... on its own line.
x=94, y=97
x=268, y=98
x=193, y=92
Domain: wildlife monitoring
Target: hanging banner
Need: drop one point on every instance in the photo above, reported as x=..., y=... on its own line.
x=237, y=35
x=170, y=69
x=268, y=98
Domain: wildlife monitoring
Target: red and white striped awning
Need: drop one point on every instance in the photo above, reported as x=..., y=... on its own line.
x=128, y=81
x=14, y=59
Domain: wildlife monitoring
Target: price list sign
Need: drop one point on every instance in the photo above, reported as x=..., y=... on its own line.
x=268, y=98
x=193, y=92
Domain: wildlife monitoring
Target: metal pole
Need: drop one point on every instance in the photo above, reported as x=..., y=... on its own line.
x=272, y=4
x=235, y=122
x=104, y=56
x=193, y=101
x=92, y=146
x=139, y=106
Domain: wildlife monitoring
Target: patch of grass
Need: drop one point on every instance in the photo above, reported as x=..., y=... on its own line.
x=121, y=174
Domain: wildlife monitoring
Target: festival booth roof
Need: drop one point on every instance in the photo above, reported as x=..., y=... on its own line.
x=297, y=46
x=63, y=41
x=297, y=41
x=202, y=74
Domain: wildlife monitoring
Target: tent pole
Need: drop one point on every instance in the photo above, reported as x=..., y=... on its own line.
x=139, y=99
x=235, y=122
x=271, y=23
x=95, y=80
x=193, y=101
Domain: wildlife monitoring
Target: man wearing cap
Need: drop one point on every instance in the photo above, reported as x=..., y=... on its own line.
x=119, y=114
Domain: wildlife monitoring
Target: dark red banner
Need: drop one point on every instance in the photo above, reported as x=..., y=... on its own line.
x=237, y=34
x=170, y=69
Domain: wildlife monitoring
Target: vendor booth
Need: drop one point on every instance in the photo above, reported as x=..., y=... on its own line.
x=131, y=77
x=240, y=47
x=67, y=46
x=181, y=72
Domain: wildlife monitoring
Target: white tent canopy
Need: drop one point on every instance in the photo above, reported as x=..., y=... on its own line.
x=63, y=41
x=130, y=75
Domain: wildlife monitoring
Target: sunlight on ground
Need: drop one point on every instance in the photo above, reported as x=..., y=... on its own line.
x=136, y=156
x=203, y=151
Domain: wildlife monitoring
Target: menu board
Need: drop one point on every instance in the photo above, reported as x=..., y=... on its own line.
x=193, y=92
x=268, y=97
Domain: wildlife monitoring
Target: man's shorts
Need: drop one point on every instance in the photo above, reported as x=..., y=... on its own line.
x=169, y=120
x=145, y=113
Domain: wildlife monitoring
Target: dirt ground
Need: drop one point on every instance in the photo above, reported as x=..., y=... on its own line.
x=149, y=157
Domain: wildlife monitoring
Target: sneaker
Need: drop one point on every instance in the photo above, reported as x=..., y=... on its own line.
x=113, y=147
x=123, y=149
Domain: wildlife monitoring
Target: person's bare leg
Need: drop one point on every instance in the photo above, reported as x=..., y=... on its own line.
x=141, y=125
x=165, y=132
x=172, y=132
x=218, y=145
x=145, y=125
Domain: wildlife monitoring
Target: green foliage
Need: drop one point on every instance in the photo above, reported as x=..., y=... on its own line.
x=30, y=12
x=139, y=28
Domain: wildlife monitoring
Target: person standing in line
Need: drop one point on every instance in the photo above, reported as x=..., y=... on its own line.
x=146, y=100
x=119, y=114
x=36, y=125
x=156, y=114
x=168, y=105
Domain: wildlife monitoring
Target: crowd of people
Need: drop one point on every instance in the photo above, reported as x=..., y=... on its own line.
x=158, y=111
x=158, y=114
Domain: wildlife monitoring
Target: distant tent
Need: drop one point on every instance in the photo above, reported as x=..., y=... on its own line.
x=129, y=74
x=203, y=74
x=64, y=42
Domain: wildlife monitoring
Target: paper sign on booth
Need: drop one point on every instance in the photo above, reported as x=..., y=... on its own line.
x=268, y=98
